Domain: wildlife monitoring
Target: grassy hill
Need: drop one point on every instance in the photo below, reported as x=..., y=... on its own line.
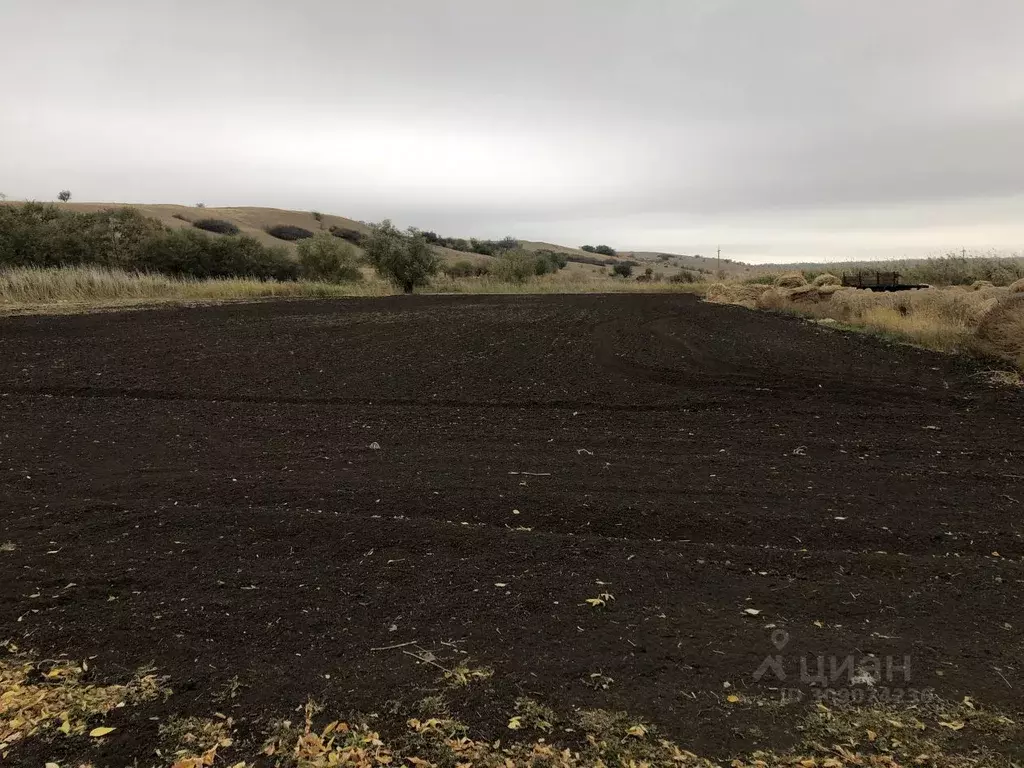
x=670, y=263
x=254, y=221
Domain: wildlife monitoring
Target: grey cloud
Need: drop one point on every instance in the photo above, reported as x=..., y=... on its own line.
x=480, y=117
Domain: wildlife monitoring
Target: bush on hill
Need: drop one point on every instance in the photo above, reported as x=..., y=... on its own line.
x=218, y=226
x=353, y=236
x=46, y=236
x=327, y=259
x=288, y=232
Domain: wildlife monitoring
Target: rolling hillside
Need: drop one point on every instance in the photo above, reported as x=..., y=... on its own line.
x=254, y=221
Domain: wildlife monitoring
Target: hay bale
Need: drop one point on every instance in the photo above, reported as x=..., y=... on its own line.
x=826, y=278
x=790, y=280
x=716, y=292
x=773, y=298
x=1017, y=286
x=751, y=292
x=804, y=294
x=977, y=285
x=829, y=289
x=1001, y=330
x=735, y=293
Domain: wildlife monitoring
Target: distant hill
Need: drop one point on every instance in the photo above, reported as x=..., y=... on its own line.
x=255, y=221
x=709, y=266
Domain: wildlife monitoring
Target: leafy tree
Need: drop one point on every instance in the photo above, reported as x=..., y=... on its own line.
x=319, y=218
x=588, y=248
x=604, y=250
x=64, y=195
x=325, y=257
x=406, y=260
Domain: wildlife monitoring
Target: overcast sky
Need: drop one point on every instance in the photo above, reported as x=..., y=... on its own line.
x=781, y=130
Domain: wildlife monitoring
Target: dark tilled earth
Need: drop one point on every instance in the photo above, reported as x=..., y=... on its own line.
x=201, y=489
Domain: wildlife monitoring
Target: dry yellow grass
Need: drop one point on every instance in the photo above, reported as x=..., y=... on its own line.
x=1001, y=329
x=565, y=281
x=977, y=319
x=1017, y=286
x=70, y=288
x=746, y=295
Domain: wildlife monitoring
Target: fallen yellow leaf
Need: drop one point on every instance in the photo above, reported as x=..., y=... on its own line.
x=101, y=731
x=732, y=698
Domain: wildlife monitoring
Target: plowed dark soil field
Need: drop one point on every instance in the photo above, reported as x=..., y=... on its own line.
x=253, y=498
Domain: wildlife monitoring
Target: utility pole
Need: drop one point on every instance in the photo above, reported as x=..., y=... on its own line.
x=719, y=259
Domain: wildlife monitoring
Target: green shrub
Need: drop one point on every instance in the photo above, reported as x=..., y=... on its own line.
x=622, y=269
x=219, y=226
x=327, y=259
x=288, y=232
x=46, y=236
x=555, y=260
x=516, y=266
x=405, y=259
x=190, y=253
